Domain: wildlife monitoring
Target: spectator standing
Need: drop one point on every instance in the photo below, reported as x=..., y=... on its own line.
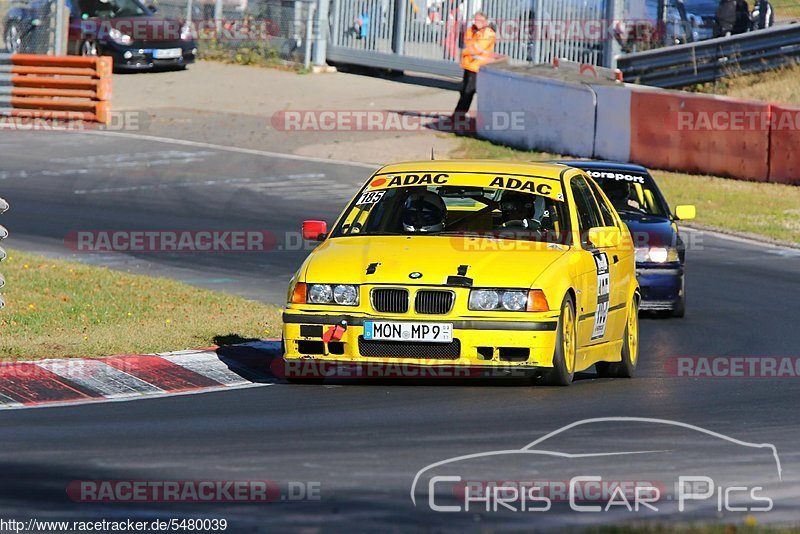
x=726, y=18
x=478, y=50
x=742, y=23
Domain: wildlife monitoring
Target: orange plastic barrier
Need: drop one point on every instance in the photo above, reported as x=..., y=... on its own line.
x=784, y=146
x=61, y=87
x=700, y=134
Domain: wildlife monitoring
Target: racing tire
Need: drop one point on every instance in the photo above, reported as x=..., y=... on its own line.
x=630, y=348
x=564, y=355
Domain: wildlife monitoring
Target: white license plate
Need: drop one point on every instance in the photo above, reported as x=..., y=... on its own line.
x=394, y=331
x=167, y=53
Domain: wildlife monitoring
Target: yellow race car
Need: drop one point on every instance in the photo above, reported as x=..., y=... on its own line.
x=496, y=266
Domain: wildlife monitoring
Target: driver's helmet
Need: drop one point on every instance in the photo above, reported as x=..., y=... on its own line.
x=516, y=206
x=527, y=209
x=424, y=211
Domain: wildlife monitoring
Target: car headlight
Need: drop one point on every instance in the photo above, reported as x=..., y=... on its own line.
x=186, y=32
x=507, y=300
x=320, y=294
x=484, y=299
x=514, y=300
x=346, y=295
x=656, y=255
x=119, y=37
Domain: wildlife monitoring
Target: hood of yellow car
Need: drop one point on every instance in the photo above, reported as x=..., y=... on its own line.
x=430, y=260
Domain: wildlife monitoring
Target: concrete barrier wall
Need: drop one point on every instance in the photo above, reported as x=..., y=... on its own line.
x=699, y=134
x=558, y=115
x=784, y=148
x=675, y=130
x=612, y=138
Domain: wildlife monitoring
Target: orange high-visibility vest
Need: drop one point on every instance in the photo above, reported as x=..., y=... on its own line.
x=478, y=48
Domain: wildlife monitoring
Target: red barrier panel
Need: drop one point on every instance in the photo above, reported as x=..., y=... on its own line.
x=784, y=146
x=700, y=134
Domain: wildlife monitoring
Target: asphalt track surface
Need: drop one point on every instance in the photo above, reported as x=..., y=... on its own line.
x=362, y=443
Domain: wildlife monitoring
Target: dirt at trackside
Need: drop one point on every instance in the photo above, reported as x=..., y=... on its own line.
x=248, y=106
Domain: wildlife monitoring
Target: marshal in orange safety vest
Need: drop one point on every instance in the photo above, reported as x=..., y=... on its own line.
x=478, y=48
x=478, y=51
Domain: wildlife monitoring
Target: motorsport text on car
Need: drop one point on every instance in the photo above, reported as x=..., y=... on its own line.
x=488, y=265
x=660, y=250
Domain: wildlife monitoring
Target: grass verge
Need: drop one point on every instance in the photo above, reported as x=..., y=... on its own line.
x=778, y=85
x=58, y=309
x=759, y=209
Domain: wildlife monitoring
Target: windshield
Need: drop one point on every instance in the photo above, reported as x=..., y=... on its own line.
x=454, y=209
x=631, y=193
x=111, y=8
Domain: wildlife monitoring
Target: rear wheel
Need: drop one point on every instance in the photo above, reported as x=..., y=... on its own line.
x=630, y=348
x=566, y=348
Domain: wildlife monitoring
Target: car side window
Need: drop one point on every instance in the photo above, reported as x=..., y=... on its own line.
x=588, y=212
x=605, y=210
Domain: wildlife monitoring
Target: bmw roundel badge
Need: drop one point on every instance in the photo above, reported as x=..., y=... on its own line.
x=415, y=275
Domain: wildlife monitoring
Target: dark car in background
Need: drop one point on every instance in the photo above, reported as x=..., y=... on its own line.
x=660, y=249
x=126, y=30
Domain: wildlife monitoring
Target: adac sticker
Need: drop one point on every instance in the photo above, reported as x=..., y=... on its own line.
x=404, y=180
x=536, y=187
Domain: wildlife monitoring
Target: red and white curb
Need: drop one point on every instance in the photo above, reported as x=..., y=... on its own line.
x=128, y=377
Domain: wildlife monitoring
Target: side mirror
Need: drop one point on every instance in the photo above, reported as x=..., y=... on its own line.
x=686, y=212
x=605, y=236
x=315, y=230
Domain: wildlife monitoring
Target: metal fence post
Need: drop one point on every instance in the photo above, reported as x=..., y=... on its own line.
x=399, y=31
x=336, y=29
x=538, y=27
x=59, y=47
x=218, y=16
x=3, y=235
x=612, y=48
x=309, y=35
x=321, y=41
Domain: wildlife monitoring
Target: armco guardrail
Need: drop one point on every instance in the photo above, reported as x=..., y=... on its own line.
x=705, y=61
x=659, y=128
x=55, y=87
x=3, y=235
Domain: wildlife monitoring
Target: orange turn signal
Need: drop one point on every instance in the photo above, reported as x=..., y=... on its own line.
x=537, y=302
x=299, y=293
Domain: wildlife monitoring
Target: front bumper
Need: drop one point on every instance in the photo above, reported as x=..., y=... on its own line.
x=661, y=286
x=478, y=343
x=141, y=58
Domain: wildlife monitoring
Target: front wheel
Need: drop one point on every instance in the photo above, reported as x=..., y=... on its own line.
x=566, y=348
x=13, y=38
x=630, y=348
x=89, y=48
